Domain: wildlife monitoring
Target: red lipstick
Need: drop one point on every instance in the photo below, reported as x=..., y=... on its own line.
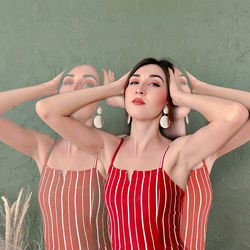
x=138, y=101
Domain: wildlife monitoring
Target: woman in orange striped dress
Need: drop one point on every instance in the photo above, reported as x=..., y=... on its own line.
x=146, y=100
x=71, y=187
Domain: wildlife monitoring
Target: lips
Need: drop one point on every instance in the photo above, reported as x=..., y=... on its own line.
x=138, y=101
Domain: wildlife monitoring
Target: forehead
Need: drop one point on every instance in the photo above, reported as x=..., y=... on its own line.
x=83, y=70
x=150, y=69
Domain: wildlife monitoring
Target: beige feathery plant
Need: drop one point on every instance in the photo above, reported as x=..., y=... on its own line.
x=14, y=222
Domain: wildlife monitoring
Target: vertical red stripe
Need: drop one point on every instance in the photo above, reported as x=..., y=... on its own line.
x=196, y=205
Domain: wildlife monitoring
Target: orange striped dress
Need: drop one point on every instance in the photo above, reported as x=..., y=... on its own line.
x=196, y=205
x=73, y=209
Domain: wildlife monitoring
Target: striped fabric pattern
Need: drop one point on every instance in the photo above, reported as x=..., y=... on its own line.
x=196, y=205
x=73, y=210
x=144, y=213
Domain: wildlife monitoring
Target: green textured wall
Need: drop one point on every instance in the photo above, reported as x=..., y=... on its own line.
x=39, y=38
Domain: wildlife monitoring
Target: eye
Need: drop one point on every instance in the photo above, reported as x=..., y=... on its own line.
x=67, y=83
x=155, y=84
x=133, y=83
x=87, y=84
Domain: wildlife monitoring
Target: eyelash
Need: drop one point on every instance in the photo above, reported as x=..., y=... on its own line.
x=133, y=82
x=88, y=84
x=152, y=83
x=155, y=84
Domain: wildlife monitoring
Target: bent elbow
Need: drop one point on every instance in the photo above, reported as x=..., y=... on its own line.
x=238, y=114
x=42, y=109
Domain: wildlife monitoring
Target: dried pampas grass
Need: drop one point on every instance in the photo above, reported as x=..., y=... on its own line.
x=14, y=223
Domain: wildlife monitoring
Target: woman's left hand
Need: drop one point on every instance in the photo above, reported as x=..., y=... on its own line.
x=115, y=101
x=175, y=86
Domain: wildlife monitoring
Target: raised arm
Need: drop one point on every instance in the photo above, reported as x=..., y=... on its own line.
x=243, y=134
x=225, y=118
x=25, y=140
x=56, y=111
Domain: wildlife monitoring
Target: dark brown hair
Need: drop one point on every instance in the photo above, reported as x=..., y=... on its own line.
x=165, y=65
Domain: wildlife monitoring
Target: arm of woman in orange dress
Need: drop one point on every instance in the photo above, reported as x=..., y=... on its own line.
x=27, y=141
x=225, y=118
x=242, y=136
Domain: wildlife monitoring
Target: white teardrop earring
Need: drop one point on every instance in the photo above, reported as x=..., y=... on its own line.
x=187, y=119
x=164, y=121
x=129, y=119
x=98, y=122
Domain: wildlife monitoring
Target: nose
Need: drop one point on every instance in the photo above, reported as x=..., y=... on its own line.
x=140, y=90
x=76, y=84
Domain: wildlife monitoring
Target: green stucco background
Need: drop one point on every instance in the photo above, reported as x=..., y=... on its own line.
x=40, y=38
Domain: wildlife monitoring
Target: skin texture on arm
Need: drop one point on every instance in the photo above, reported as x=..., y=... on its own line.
x=27, y=141
x=243, y=134
x=226, y=118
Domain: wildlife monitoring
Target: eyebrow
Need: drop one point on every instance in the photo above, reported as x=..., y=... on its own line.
x=149, y=76
x=157, y=76
x=90, y=76
x=72, y=75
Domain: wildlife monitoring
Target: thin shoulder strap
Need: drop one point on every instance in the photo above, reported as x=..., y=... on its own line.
x=95, y=162
x=113, y=159
x=163, y=156
x=206, y=168
x=47, y=157
x=49, y=153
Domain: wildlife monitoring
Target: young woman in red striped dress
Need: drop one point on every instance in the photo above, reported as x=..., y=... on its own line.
x=198, y=194
x=71, y=188
x=146, y=172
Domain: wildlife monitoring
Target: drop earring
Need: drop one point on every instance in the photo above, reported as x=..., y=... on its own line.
x=164, y=121
x=129, y=119
x=187, y=119
x=98, y=122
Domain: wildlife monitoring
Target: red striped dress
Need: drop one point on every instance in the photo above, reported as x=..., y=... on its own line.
x=195, y=209
x=73, y=210
x=144, y=213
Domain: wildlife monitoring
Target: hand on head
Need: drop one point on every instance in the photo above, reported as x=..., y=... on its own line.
x=115, y=101
x=55, y=82
x=193, y=80
x=108, y=76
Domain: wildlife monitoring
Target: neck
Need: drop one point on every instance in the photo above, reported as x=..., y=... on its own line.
x=144, y=134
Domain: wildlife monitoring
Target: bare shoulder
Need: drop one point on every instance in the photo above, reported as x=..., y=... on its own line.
x=178, y=143
x=111, y=143
x=44, y=145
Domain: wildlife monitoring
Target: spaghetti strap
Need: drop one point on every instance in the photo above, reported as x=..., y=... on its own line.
x=113, y=159
x=163, y=156
x=48, y=155
x=95, y=162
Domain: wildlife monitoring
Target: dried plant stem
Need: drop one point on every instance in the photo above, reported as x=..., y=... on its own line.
x=8, y=227
x=18, y=202
x=12, y=210
x=19, y=228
